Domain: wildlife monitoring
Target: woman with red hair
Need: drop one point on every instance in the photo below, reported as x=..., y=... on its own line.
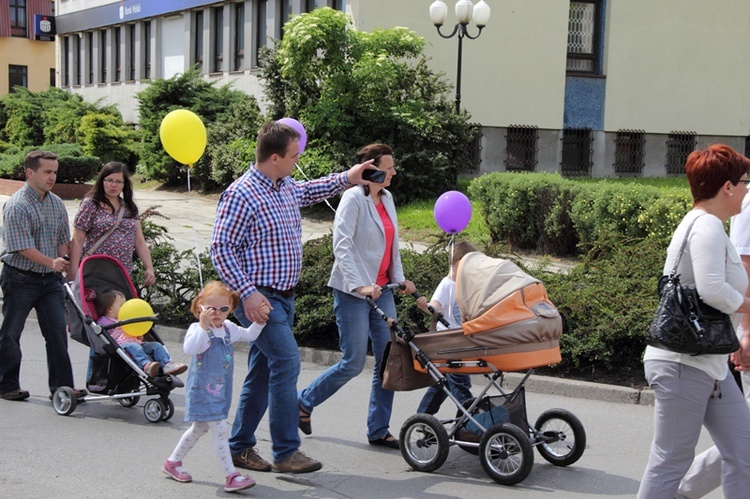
x=695, y=390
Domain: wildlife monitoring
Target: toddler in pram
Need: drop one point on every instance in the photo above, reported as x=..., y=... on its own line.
x=509, y=325
x=115, y=375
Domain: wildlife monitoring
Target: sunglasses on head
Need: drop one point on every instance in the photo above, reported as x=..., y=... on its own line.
x=225, y=308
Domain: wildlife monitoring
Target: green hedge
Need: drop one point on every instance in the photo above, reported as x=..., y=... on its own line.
x=74, y=166
x=545, y=212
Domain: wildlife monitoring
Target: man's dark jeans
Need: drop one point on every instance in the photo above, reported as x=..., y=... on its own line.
x=23, y=291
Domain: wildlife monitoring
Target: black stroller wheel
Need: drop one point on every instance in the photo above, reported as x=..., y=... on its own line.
x=562, y=437
x=424, y=442
x=154, y=410
x=129, y=402
x=169, y=412
x=64, y=401
x=506, y=454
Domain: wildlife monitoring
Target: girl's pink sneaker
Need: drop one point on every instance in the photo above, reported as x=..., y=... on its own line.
x=236, y=482
x=174, y=470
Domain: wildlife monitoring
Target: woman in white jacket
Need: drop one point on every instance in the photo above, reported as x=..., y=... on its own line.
x=366, y=251
x=695, y=390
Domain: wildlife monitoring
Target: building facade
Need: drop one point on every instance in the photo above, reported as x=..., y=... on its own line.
x=27, y=49
x=584, y=88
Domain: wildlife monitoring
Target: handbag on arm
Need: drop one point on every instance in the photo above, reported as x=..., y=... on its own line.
x=683, y=323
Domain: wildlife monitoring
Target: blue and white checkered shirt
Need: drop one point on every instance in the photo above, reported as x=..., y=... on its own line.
x=257, y=236
x=31, y=222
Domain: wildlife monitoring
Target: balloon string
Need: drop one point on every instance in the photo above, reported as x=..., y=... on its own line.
x=195, y=233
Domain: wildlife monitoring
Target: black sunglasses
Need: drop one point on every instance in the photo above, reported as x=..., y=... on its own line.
x=225, y=308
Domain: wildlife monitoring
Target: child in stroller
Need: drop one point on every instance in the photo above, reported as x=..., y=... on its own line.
x=108, y=306
x=114, y=375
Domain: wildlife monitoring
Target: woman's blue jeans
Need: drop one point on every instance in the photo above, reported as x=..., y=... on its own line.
x=356, y=322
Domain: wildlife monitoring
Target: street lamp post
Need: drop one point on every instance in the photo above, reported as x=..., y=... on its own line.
x=465, y=12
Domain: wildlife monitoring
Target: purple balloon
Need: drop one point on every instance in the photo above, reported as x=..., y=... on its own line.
x=453, y=212
x=300, y=130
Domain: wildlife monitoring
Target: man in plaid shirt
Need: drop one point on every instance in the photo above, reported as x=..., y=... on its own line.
x=256, y=247
x=36, y=236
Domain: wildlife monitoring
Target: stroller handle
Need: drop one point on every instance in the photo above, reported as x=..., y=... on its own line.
x=440, y=317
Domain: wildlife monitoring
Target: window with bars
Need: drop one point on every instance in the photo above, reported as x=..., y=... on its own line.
x=583, y=37
x=679, y=146
x=475, y=148
x=239, y=37
x=577, y=152
x=521, y=148
x=629, y=152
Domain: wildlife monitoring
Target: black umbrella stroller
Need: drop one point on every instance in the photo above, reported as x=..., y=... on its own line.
x=509, y=325
x=114, y=374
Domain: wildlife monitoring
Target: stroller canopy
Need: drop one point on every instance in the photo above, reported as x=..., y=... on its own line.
x=493, y=293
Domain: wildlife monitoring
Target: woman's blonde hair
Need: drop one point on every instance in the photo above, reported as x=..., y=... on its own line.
x=214, y=288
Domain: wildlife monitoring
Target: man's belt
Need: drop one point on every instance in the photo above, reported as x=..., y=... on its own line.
x=28, y=272
x=287, y=293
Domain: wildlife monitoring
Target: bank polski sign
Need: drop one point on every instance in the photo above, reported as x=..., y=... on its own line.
x=44, y=28
x=128, y=9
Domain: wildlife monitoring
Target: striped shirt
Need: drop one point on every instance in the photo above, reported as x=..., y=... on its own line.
x=31, y=222
x=257, y=236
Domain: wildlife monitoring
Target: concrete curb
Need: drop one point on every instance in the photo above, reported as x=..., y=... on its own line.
x=535, y=384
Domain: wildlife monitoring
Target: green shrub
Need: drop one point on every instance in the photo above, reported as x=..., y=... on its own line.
x=74, y=166
x=105, y=136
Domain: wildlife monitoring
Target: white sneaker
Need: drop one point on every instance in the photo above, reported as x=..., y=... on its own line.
x=174, y=368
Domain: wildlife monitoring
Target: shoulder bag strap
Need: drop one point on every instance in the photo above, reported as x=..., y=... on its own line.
x=682, y=247
x=106, y=235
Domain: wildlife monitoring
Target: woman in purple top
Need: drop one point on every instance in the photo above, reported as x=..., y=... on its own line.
x=99, y=212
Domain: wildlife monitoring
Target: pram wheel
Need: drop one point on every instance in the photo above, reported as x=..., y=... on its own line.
x=424, y=442
x=562, y=437
x=506, y=454
x=154, y=410
x=64, y=401
x=129, y=402
x=169, y=410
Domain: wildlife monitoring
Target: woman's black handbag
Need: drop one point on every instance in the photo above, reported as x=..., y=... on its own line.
x=684, y=324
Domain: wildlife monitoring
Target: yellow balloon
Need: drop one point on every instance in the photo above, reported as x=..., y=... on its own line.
x=183, y=136
x=133, y=309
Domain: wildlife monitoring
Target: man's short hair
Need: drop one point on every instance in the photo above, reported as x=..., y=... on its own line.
x=273, y=138
x=32, y=160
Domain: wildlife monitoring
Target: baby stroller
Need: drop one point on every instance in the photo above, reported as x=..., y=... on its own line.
x=114, y=374
x=509, y=325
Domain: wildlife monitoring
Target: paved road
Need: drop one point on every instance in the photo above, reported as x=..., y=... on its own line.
x=104, y=450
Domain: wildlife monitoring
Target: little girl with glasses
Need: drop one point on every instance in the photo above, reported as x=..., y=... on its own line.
x=208, y=393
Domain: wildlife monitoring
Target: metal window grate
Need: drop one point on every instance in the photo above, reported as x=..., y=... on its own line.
x=577, y=152
x=521, y=148
x=582, y=28
x=629, y=146
x=679, y=146
x=475, y=149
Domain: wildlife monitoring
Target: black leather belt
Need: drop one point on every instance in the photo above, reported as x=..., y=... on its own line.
x=285, y=293
x=28, y=272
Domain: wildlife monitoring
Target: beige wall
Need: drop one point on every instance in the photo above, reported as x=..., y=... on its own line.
x=649, y=84
x=39, y=57
x=513, y=74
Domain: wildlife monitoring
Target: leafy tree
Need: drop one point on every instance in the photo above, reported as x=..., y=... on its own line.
x=184, y=91
x=351, y=88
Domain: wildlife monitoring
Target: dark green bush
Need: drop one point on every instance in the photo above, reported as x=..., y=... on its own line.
x=74, y=166
x=106, y=137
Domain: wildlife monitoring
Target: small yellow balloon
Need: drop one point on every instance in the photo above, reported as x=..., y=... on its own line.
x=133, y=309
x=183, y=136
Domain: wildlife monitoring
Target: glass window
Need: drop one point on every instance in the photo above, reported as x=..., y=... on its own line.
x=118, y=53
x=18, y=18
x=311, y=5
x=261, y=32
x=66, y=61
x=629, y=152
x=103, y=56
x=583, y=37
x=286, y=11
x=239, y=37
x=340, y=5
x=77, y=59
x=131, y=52
x=18, y=76
x=577, y=152
x=51, y=77
x=218, y=39
x=90, y=56
x=521, y=148
x=147, y=50
x=198, y=48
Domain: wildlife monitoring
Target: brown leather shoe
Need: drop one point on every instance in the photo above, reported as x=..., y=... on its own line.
x=16, y=394
x=251, y=460
x=297, y=463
